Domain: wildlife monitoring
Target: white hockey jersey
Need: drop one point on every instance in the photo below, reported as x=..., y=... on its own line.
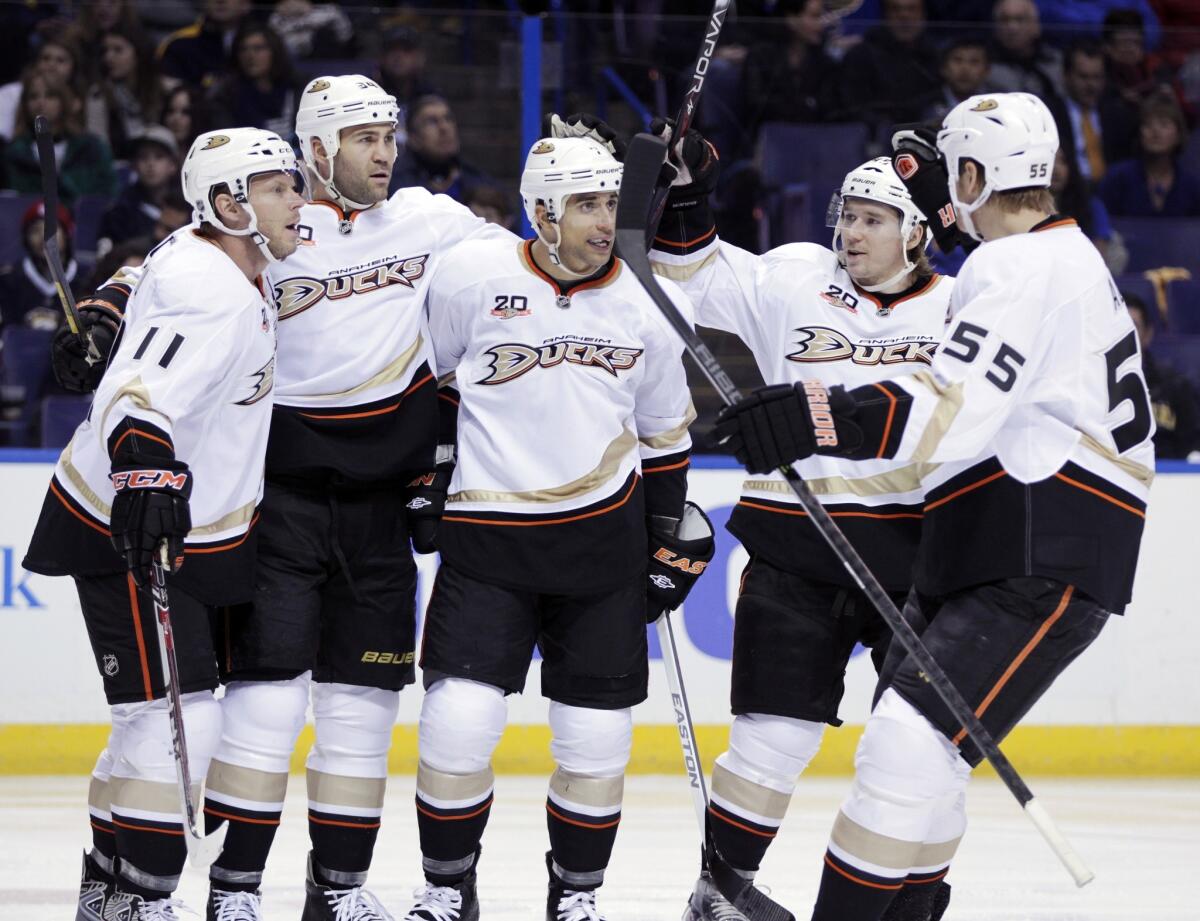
x=194, y=366
x=1037, y=415
x=803, y=318
x=354, y=391
x=566, y=399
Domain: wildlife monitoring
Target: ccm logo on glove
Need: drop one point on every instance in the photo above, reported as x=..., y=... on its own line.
x=148, y=479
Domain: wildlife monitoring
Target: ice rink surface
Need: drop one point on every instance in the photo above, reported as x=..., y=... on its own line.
x=1142, y=839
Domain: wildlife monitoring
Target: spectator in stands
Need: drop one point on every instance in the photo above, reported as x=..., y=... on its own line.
x=790, y=78
x=891, y=75
x=1095, y=127
x=492, y=204
x=175, y=212
x=199, y=53
x=27, y=293
x=313, y=30
x=128, y=95
x=1126, y=65
x=98, y=18
x=402, y=73
x=964, y=73
x=1159, y=182
x=1074, y=198
x=185, y=113
x=57, y=60
x=1172, y=396
x=433, y=156
x=138, y=208
x=132, y=254
x=85, y=163
x=261, y=89
x=1020, y=61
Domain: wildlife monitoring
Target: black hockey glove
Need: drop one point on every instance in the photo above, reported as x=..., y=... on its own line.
x=677, y=561
x=693, y=175
x=584, y=125
x=150, y=507
x=100, y=317
x=424, y=501
x=776, y=425
x=922, y=169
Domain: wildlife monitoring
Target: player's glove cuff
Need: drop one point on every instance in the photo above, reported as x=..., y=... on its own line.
x=424, y=503
x=677, y=560
x=922, y=169
x=782, y=423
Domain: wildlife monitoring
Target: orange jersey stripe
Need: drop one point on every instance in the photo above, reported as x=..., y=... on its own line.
x=371, y=412
x=367, y=826
x=237, y=543
x=454, y=818
x=157, y=831
x=965, y=489
x=666, y=467
x=804, y=514
x=1021, y=657
x=593, y=825
x=862, y=882
x=238, y=818
x=887, y=426
x=135, y=609
x=753, y=831
x=70, y=508
x=1103, y=495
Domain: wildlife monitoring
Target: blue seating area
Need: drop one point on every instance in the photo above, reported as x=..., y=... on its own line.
x=24, y=377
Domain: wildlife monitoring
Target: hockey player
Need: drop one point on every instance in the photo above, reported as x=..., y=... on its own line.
x=172, y=454
x=572, y=438
x=1032, y=432
x=354, y=425
x=869, y=308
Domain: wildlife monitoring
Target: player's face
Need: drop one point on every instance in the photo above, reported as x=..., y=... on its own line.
x=588, y=228
x=871, y=241
x=363, y=165
x=277, y=201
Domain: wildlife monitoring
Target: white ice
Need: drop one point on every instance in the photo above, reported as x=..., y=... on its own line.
x=1142, y=839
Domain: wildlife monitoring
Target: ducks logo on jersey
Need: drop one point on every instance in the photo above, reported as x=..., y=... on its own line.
x=820, y=343
x=511, y=360
x=295, y=295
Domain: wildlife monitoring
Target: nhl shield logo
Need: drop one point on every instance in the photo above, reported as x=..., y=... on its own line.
x=111, y=666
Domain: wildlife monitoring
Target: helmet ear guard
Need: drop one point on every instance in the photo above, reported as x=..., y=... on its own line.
x=557, y=168
x=877, y=181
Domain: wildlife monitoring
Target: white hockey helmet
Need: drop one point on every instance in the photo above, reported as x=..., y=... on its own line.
x=231, y=157
x=560, y=167
x=1013, y=138
x=877, y=181
x=330, y=104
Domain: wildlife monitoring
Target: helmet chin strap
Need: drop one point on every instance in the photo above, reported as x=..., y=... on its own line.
x=552, y=248
x=251, y=230
x=964, y=212
x=346, y=204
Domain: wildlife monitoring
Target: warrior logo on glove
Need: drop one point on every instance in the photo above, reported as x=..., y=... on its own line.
x=824, y=431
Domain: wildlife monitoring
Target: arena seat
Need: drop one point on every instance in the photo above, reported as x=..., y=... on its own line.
x=1160, y=241
x=61, y=414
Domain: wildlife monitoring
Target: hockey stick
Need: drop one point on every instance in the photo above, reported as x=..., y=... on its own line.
x=643, y=160
x=687, y=110
x=683, y=718
x=202, y=850
x=45, y=149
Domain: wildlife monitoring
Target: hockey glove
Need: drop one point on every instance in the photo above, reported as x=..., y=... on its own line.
x=677, y=561
x=150, y=507
x=776, y=425
x=922, y=169
x=100, y=318
x=425, y=500
x=583, y=125
x=692, y=171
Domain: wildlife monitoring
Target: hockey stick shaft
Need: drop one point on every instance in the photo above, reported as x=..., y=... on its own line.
x=202, y=850
x=691, y=100
x=683, y=718
x=45, y=149
x=643, y=161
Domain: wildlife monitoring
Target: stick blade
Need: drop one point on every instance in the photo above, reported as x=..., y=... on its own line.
x=204, y=851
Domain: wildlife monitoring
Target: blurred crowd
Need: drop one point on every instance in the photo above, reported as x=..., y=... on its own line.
x=127, y=84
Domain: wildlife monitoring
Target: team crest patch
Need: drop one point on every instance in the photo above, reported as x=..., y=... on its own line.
x=110, y=664
x=837, y=300
x=217, y=140
x=511, y=305
x=318, y=86
x=543, y=147
x=984, y=105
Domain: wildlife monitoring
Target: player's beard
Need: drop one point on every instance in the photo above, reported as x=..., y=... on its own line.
x=359, y=189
